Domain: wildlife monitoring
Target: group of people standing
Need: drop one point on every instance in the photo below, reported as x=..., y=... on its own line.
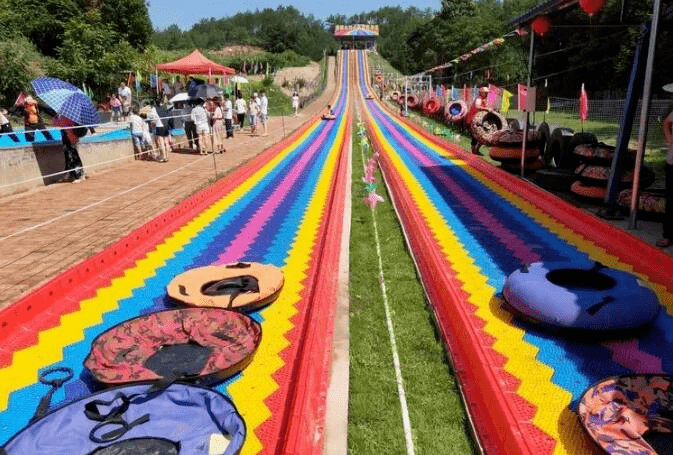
x=151, y=133
x=208, y=123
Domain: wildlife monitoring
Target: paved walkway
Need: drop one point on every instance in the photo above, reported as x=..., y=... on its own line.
x=47, y=230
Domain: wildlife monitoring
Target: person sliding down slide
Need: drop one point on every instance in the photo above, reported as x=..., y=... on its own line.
x=329, y=113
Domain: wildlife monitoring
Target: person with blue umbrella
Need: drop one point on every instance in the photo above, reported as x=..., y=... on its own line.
x=76, y=114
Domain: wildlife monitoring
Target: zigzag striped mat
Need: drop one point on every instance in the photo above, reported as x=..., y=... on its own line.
x=284, y=208
x=469, y=225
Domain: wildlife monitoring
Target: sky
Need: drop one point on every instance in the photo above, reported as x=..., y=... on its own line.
x=186, y=13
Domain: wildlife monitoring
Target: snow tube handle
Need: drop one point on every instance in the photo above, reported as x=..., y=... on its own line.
x=55, y=384
x=93, y=413
x=238, y=265
x=117, y=432
x=114, y=417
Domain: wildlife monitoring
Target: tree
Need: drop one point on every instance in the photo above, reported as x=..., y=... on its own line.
x=20, y=63
x=94, y=53
x=130, y=19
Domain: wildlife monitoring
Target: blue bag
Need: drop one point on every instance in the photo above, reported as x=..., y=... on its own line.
x=179, y=419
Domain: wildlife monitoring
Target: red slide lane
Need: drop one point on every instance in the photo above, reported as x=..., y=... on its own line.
x=479, y=378
x=305, y=415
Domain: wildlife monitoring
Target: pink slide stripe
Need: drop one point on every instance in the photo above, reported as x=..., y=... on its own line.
x=518, y=247
x=626, y=353
x=247, y=236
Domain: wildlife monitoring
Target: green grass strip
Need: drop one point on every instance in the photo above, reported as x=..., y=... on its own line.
x=438, y=419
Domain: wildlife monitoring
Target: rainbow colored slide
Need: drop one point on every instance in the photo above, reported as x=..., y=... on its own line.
x=285, y=208
x=469, y=225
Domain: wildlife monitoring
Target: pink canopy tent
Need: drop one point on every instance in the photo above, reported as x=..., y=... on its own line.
x=195, y=63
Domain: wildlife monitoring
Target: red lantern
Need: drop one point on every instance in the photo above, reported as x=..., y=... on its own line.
x=541, y=25
x=591, y=7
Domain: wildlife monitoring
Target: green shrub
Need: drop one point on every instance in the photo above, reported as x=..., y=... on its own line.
x=20, y=63
x=267, y=81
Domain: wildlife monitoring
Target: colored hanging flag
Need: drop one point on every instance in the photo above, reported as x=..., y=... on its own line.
x=584, y=104
x=505, y=100
x=454, y=93
x=21, y=99
x=494, y=96
x=521, y=97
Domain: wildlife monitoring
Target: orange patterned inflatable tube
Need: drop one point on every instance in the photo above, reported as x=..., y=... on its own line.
x=244, y=286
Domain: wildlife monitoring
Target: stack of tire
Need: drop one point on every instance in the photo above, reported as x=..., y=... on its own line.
x=455, y=112
x=378, y=78
x=412, y=100
x=555, y=146
x=593, y=170
x=431, y=105
x=487, y=127
x=652, y=201
x=509, y=147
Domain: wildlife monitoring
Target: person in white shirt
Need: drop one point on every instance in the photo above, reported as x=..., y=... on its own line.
x=136, y=132
x=295, y=103
x=6, y=126
x=147, y=139
x=126, y=97
x=240, y=110
x=264, y=111
x=228, y=116
x=200, y=118
x=253, y=110
x=161, y=135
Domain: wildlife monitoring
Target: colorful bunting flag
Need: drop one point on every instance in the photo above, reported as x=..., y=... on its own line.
x=584, y=105
x=505, y=100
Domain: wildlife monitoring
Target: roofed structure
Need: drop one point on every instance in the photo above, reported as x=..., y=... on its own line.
x=358, y=36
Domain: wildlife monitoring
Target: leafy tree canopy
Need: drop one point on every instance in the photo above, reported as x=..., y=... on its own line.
x=82, y=41
x=279, y=30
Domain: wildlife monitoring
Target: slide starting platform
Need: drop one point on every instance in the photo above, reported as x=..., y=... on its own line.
x=469, y=226
x=285, y=208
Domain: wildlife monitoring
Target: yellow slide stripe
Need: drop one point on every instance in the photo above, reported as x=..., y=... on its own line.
x=256, y=382
x=27, y=362
x=536, y=386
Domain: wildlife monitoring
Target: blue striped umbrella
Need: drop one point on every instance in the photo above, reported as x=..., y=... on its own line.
x=66, y=99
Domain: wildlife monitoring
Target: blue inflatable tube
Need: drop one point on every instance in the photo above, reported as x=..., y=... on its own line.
x=181, y=418
x=594, y=298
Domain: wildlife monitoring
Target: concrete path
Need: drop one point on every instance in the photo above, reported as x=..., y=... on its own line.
x=45, y=231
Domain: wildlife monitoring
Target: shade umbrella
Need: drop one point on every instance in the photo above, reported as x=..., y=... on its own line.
x=205, y=91
x=181, y=97
x=146, y=109
x=238, y=80
x=66, y=99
